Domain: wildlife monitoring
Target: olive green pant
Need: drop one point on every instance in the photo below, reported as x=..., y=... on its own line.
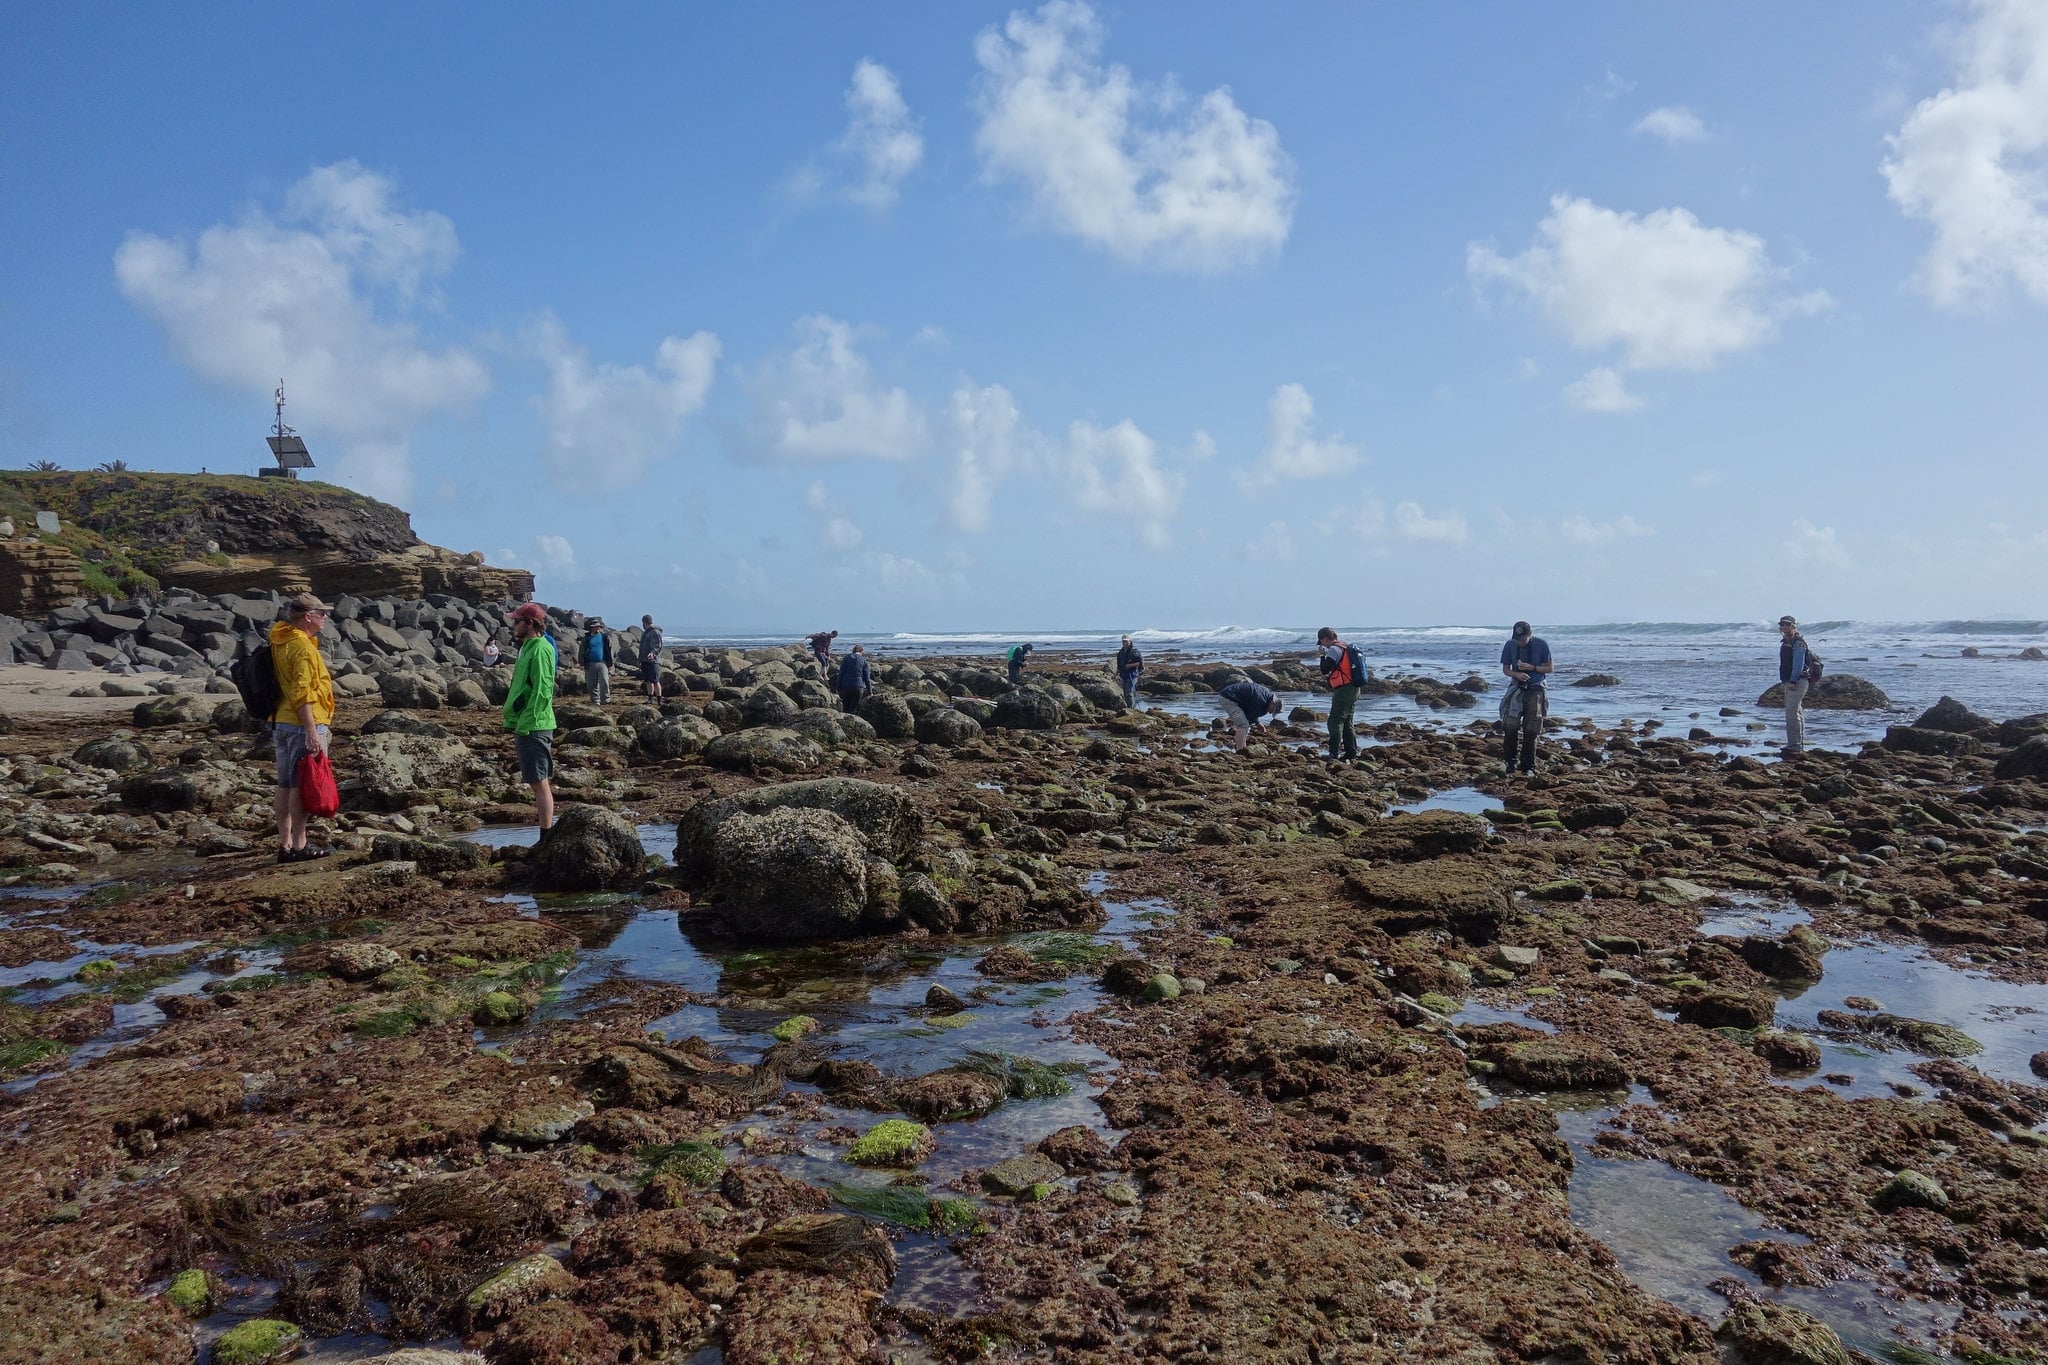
x=1343, y=739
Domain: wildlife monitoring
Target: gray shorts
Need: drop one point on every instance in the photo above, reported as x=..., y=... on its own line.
x=291, y=747
x=537, y=756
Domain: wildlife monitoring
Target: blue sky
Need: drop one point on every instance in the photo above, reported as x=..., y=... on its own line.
x=981, y=317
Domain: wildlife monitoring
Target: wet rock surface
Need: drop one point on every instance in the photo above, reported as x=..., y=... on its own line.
x=360, y=1092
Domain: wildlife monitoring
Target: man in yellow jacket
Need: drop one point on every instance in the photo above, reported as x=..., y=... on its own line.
x=305, y=710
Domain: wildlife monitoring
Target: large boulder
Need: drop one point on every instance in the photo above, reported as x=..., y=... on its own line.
x=770, y=672
x=116, y=755
x=1922, y=739
x=396, y=769
x=411, y=690
x=180, y=708
x=769, y=705
x=1408, y=836
x=807, y=693
x=823, y=724
x=1445, y=892
x=888, y=821
x=947, y=726
x=1836, y=692
x=192, y=786
x=790, y=873
x=768, y=748
x=2028, y=760
x=677, y=738
x=467, y=692
x=1027, y=708
x=1950, y=714
x=588, y=849
x=889, y=714
x=581, y=716
x=981, y=682
x=1101, y=693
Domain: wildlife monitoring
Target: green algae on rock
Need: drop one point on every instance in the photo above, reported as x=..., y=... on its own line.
x=892, y=1142
x=513, y=1288
x=499, y=1009
x=1775, y=1334
x=258, y=1341
x=793, y=1028
x=193, y=1292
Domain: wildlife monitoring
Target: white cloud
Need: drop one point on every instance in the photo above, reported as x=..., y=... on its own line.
x=1973, y=160
x=1594, y=98
x=1602, y=390
x=987, y=439
x=1293, y=450
x=607, y=425
x=1583, y=530
x=1673, y=124
x=1115, y=471
x=899, y=576
x=1816, y=546
x=875, y=155
x=317, y=297
x=821, y=402
x=1142, y=172
x=835, y=528
x=557, y=555
x=1670, y=291
x=1412, y=523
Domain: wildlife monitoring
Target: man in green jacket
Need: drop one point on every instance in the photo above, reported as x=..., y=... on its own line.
x=530, y=708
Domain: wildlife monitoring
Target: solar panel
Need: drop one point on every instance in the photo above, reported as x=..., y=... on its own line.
x=290, y=452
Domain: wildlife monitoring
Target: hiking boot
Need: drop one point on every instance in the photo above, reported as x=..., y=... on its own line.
x=288, y=855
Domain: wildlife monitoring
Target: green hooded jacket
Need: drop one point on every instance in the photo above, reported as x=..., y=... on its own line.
x=530, y=706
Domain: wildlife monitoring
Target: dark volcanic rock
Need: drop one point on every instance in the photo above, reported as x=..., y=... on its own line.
x=792, y=873
x=2029, y=760
x=889, y=714
x=1419, y=834
x=1938, y=743
x=946, y=726
x=588, y=849
x=1950, y=714
x=1027, y=708
x=1837, y=692
x=886, y=818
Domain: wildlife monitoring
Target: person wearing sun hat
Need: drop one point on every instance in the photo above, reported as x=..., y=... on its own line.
x=305, y=711
x=530, y=708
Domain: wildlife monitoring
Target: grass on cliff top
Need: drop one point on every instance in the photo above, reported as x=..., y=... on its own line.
x=128, y=528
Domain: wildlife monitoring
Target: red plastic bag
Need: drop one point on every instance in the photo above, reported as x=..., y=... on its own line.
x=317, y=792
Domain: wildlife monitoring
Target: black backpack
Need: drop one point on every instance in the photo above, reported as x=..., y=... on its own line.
x=255, y=679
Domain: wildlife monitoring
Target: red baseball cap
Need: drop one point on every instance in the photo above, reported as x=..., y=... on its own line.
x=529, y=611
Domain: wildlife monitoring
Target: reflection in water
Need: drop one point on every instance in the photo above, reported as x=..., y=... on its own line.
x=1466, y=800
x=659, y=840
x=1671, y=1233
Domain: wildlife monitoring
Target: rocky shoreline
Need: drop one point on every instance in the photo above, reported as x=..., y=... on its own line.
x=1000, y=1023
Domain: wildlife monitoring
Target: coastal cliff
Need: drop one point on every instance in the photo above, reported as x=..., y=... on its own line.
x=121, y=533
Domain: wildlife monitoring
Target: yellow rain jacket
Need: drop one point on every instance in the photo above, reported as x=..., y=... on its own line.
x=301, y=676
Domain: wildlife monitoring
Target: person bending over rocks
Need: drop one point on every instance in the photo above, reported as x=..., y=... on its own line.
x=1345, y=671
x=650, y=658
x=1245, y=704
x=1796, y=665
x=1018, y=656
x=1525, y=658
x=305, y=711
x=595, y=654
x=530, y=709
x=1129, y=664
x=821, y=650
x=854, y=683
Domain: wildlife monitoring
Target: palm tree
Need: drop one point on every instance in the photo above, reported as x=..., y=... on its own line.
x=112, y=467
x=44, y=467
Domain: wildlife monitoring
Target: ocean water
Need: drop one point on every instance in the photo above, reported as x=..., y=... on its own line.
x=1675, y=672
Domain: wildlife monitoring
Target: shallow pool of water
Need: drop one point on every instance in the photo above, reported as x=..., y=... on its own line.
x=659, y=840
x=1466, y=800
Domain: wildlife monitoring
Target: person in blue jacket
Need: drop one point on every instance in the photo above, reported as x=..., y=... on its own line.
x=595, y=654
x=1245, y=704
x=854, y=683
x=1794, y=660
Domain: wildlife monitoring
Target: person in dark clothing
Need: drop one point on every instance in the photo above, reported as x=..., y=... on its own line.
x=821, y=650
x=1525, y=659
x=650, y=658
x=1018, y=656
x=1345, y=671
x=1794, y=661
x=1129, y=664
x=1245, y=704
x=853, y=682
x=595, y=654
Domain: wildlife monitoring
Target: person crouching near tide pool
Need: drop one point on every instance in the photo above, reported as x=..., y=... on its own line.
x=854, y=683
x=305, y=712
x=530, y=709
x=1129, y=664
x=1525, y=659
x=1018, y=656
x=1345, y=671
x=1245, y=704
